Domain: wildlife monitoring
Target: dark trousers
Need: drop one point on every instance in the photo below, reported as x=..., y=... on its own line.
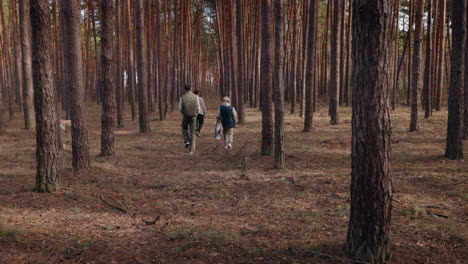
x=200, y=122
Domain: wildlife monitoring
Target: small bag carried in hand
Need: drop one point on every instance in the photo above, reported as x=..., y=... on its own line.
x=218, y=132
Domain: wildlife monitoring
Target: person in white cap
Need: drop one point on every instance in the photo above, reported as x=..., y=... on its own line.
x=228, y=116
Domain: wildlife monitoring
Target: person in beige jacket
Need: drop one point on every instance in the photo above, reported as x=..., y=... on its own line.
x=189, y=106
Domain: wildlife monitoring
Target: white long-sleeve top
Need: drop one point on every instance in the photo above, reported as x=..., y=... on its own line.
x=202, y=108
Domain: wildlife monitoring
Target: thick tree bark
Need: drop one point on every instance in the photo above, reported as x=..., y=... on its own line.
x=371, y=186
x=278, y=90
x=25, y=31
x=107, y=78
x=142, y=68
x=73, y=63
x=310, y=71
x=266, y=79
x=47, y=152
x=454, y=147
x=335, y=65
x=415, y=86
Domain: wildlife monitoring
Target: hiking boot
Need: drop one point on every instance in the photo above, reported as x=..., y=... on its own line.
x=229, y=146
x=187, y=144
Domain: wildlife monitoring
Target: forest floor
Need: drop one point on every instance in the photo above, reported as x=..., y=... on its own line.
x=221, y=206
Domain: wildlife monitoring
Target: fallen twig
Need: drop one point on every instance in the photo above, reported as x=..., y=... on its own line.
x=115, y=206
x=161, y=232
x=441, y=215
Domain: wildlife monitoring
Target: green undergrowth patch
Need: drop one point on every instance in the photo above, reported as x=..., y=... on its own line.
x=9, y=234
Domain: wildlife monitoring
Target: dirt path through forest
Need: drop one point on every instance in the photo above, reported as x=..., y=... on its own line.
x=154, y=203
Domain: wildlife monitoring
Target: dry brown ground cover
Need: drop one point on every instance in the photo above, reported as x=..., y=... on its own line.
x=227, y=207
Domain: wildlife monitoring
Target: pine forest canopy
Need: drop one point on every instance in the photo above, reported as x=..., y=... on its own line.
x=290, y=59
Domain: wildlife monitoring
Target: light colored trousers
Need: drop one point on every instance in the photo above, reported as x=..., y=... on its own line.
x=189, y=124
x=228, y=136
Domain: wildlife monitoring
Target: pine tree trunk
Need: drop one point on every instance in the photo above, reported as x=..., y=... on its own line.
x=142, y=68
x=347, y=85
x=47, y=152
x=8, y=71
x=435, y=54
x=278, y=90
x=415, y=86
x=303, y=68
x=310, y=68
x=342, y=52
x=266, y=80
x=315, y=63
x=148, y=18
x=454, y=147
x=410, y=31
x=3, y=78
x=335, y=64
x=73, y=63
x=119, y=78
x=2, y=107
x=240, y=62
x=294, y=61
x=158, y=62
x=441, y=51
x=18, y=80
x=428, y=68
x=107, y=78
x=174, y=86
x=130, y=62
x=396, y=69
x=28, y=96
x=465, y=116
x=371, y=186
x=2, y=87
x=97, y=77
